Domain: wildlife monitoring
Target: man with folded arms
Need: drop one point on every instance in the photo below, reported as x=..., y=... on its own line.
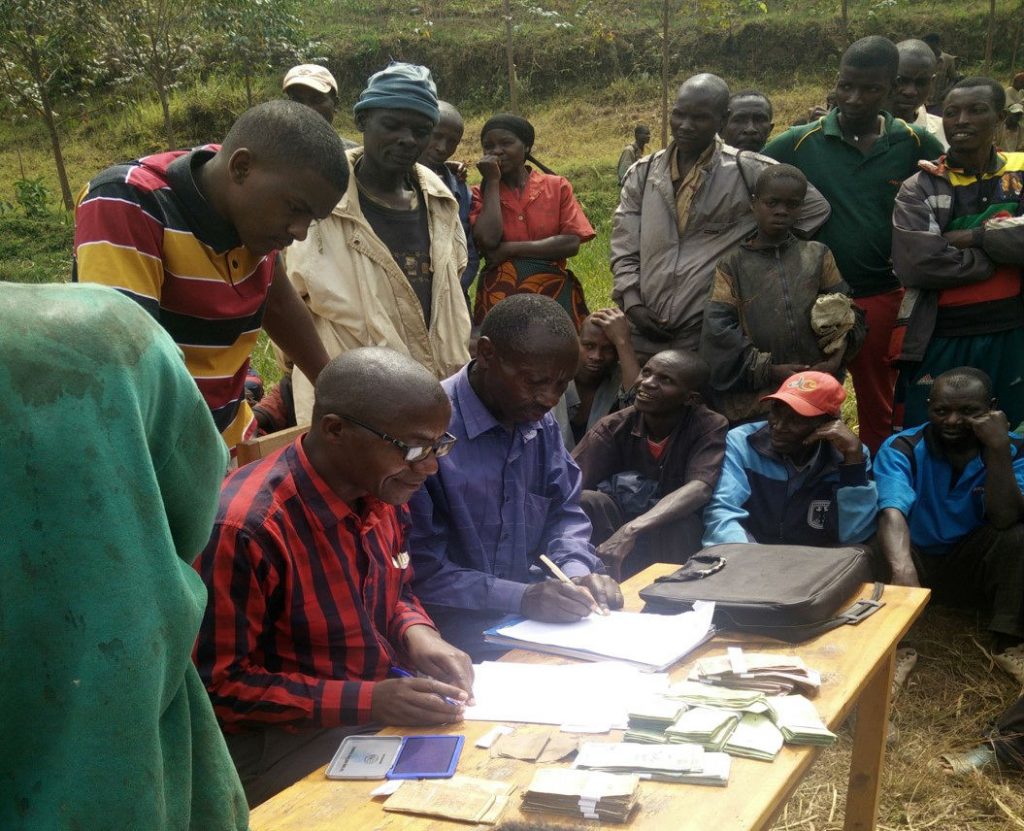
x=310, y=607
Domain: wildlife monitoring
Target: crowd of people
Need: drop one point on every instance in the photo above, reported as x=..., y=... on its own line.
x=204, y=642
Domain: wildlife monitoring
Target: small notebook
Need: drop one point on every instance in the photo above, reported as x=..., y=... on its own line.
x=799, y=721
x=755, y=737
x=462, y=798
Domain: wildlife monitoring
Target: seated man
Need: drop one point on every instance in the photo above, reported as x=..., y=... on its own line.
x=951, y=507
x=310, y=609
x=109, y=489
x=668, y=438
x=799, y=478
x=509, y=491
x=606, y=358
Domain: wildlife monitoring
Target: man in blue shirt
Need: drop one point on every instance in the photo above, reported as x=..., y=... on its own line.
x=508, y=492
x=801, y=478
x=951, y=506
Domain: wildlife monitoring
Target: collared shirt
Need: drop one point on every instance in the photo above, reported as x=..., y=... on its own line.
x=686, y=186
x=498, y=501
x=763, y=497
x=916, y=479
x=861, y=188
x=544, y=207
x=694, y=451
x=145, y=229
x=308, y=600
x=608, y=396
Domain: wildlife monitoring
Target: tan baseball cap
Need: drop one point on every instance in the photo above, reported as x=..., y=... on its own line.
x=311, y=75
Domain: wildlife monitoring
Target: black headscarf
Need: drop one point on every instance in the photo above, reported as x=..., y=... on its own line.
x=520, y=128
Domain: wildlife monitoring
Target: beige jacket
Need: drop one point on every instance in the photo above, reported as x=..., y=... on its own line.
x=358, y=296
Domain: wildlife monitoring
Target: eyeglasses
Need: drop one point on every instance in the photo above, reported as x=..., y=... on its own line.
x=442, y=447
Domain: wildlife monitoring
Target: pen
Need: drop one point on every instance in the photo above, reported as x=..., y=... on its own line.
x=559, y=574
x=404, y=673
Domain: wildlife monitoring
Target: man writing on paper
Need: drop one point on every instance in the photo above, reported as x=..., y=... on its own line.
x=310, y=607
x=509, y=491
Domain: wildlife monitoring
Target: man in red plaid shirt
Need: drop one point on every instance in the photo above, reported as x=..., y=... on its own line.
x=310, y=615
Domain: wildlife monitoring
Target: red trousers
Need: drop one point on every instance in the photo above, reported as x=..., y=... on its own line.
x=874, y=378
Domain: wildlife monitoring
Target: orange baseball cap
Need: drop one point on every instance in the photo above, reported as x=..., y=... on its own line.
x=811, y=394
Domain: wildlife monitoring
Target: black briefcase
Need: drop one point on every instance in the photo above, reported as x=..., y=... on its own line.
x=788, y=592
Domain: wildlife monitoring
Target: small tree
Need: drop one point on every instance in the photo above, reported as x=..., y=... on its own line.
x=254, y=36
x=40, y=44
x=152, y=39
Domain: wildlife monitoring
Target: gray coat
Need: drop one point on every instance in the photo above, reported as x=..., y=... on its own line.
x=653, y=267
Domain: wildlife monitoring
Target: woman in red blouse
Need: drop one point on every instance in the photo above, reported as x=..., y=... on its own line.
x=526, y=223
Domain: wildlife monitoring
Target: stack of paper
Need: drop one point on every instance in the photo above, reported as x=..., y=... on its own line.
x=755, y=737
x=663, y=763
x=685, y=763
x=799, y=721
x=638, y=736
x=648, y=641
x=702, y=694
x=654, y=713
x=608, y=797
x=771, y=674
x=463, y=798
x=706, y=726
x=595, y=696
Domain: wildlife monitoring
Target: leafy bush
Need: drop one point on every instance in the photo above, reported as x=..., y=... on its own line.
x=33, y=197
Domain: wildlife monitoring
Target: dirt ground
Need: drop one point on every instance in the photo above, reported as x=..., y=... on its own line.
x=950, y=699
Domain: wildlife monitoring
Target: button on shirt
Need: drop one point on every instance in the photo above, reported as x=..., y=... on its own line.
x=498, y=501
x=915, y=478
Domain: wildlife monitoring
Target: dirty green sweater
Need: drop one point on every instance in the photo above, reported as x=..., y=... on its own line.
x=110, y=467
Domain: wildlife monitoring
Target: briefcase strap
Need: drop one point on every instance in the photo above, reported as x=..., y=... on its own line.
x=852, y=615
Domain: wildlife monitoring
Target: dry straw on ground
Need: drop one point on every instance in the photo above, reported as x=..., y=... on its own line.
x=951, y=699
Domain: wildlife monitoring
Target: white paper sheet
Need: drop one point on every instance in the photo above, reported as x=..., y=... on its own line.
x=597, y=693
x=655, y=640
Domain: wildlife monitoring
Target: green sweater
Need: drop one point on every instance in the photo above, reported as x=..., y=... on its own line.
x=110, y=467
x=860, y=188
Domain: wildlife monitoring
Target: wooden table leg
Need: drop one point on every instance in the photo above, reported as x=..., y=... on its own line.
x=869, y=749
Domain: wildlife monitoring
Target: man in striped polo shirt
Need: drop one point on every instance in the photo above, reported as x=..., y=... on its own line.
x=311, y=626
x=193, y=237
x=958, y=247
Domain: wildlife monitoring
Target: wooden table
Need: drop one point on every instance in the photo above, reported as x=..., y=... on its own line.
x=856, y=663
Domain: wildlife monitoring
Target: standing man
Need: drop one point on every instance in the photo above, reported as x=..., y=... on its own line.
x=680, y=210
x=310, y=609
x=858, y=156
x=443, y=142
x=958, y=247
x=384, y=268
x=194, y=237
x=315, y=87
x=110, y=467
x=508, y=492
x=750, y=121
x=632, y=152
x=945, y=71
x=914, y=83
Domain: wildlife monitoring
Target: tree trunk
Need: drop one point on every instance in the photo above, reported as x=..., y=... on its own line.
x=513, y=92
x=58, y=155
x=1019, y=17
x=990, y=38
x=248, y=87
x=165, y=105
x=664, y=72
x=844, y=15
